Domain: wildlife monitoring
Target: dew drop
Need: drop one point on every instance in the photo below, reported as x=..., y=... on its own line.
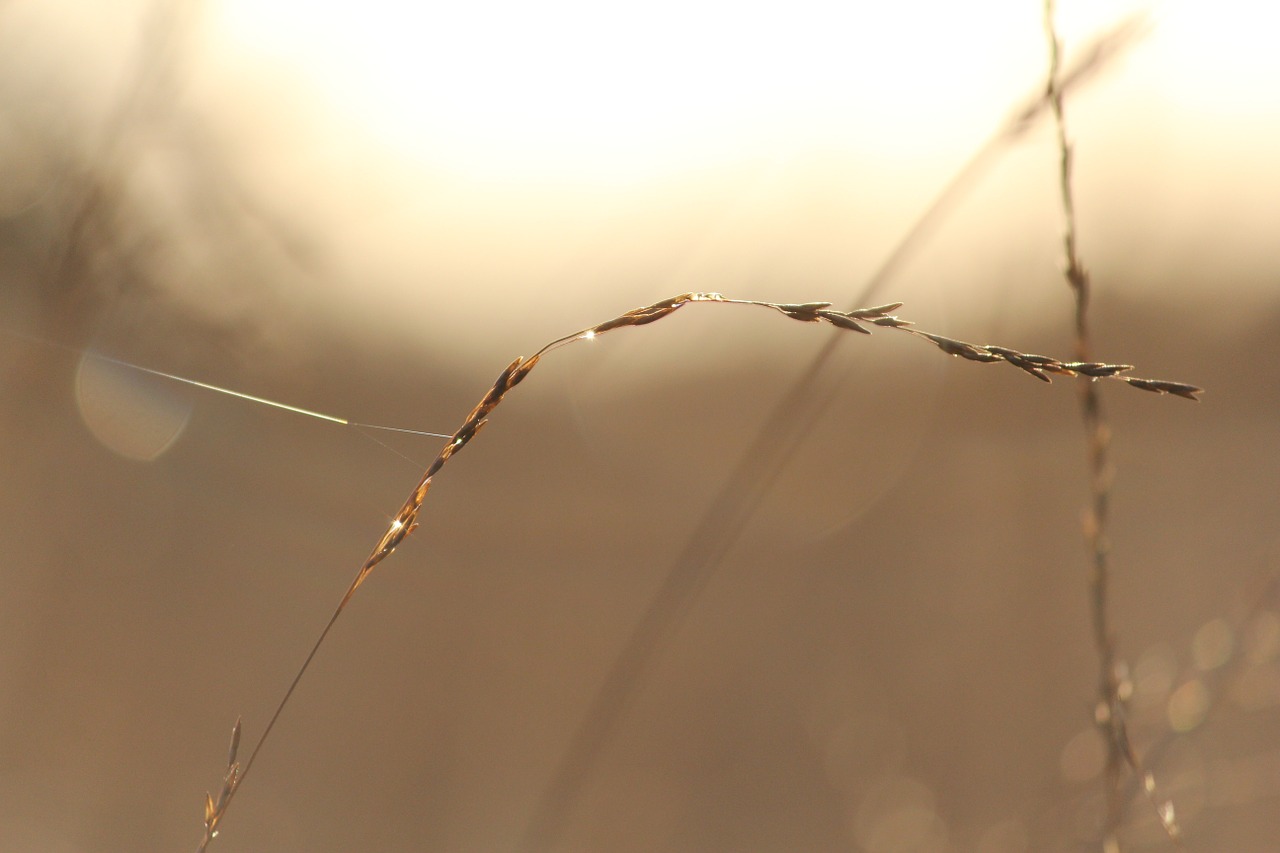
x=1212, y=645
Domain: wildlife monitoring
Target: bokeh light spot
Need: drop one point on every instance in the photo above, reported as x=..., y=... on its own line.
x=898, y=816
x=1007, y=836
x=1263, y=638
x=1212, y=645
x=1188, y=705
x=1083, y=756
x=1153, y=675
x=132, y=414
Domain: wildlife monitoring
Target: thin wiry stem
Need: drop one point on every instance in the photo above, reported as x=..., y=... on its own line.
x=859, y=320
x=1112, y=688
x=1109, y=714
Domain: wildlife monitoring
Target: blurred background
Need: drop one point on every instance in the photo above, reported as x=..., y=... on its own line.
x=369, y=212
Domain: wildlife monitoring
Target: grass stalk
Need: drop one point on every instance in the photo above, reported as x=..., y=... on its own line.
x=859, y=320
x=1112, y=687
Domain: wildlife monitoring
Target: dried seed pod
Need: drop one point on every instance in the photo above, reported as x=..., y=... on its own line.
x=1033, y=364
x=1097, y=369
x=615, y=323
x=806, y=312
x=235, y=744
x=676, y=301
x=800, y=307
x=972, y=352
x=500, y=386
x=1161, y=386
x=1181, y=389
x=641, y=316
x=1144, y=384
x=843, y=321
x=661, y=308
x=653, y=315
x=522, y=371
x=438, y=462
x=1041, y=360
x=874, y=313
x=465, y=433
x=1037, y=372
x=228, y=785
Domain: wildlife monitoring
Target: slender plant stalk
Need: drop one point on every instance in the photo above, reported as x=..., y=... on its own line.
x=1112, y=688
x=1109, y=716
x=858, y=320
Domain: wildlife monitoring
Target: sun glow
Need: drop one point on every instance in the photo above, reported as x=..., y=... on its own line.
x=511, y=145
x=610, y=90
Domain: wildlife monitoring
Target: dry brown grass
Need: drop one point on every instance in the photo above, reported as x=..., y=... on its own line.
x=857, y=320
x=69, y=264
x=1110, y=714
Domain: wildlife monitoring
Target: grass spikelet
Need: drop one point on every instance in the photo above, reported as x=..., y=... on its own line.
x=962, y=349
x=1035, y=365
x=879, y=312
x=1097, y=369
x=1160, y=386
x=213, y=811
x=807, y=312
x=843, y=321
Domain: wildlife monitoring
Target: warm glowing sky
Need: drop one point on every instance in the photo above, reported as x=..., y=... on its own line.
x=522, y=149
x=560, y=126
x=612, y=90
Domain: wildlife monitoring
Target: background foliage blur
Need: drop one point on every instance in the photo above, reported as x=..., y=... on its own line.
x=371, y=213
